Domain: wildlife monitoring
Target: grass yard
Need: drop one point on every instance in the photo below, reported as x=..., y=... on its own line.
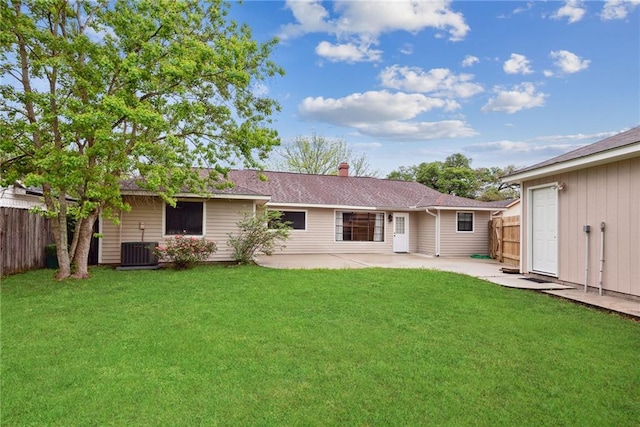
x=254, y=346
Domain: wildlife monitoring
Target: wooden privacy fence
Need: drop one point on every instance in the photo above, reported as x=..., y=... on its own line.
x=504, y=239
x=23, y=236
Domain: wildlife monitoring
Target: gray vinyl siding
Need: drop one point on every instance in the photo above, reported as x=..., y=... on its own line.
x=453, y=243
x=109, y=250
x=426, y=234
x=414, y=231
x=319, y=237
x=607, y=193
x=221, y=217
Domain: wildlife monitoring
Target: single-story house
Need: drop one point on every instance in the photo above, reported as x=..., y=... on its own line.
x=581, y=215
x=19, y=196
x=330, y=214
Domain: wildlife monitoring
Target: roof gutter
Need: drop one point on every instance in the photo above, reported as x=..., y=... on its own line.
x=200, y=196
x=465, y=208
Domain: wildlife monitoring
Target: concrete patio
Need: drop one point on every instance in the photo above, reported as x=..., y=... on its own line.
x=485, y=269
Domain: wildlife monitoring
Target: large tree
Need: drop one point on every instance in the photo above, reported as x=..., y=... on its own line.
x=95, y=91
x=318, y=155
x=456, y=176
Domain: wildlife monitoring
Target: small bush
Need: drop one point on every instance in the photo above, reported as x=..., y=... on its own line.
x=185, y=252
x=260, y=233
x=51, y=250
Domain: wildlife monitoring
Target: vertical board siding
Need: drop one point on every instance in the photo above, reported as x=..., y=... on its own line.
x=453, y=243
x=634, y=229
x=610, y=194
x=23, y=236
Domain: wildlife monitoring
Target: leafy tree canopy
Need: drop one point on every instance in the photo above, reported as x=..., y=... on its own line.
x=456, y=176
x=321, y=156
x=98, y=90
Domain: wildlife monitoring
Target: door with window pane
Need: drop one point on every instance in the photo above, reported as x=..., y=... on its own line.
x=400, y=232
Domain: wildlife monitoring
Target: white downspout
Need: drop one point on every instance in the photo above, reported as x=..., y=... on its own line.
x=438, y=232
x=601, y=256
x=437, y=236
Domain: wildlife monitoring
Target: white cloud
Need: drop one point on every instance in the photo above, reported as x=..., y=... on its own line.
x=370, y=107
x=407, y=49
x=518, y=10
x=580, y=136
x=418, y=131
x=569, y=62
x=517, y=64
x=367, y=145
x=374, y=18
x=438, y=81
x=506, y=147
x=348, y=52
x=362, y=22
x=469, y=60
x=379, y=17
x=618, y=9
x=386, y=115
x=311, y=16
x=525, y=8
x=520, y=97
x=573, y=10
x=547, y=146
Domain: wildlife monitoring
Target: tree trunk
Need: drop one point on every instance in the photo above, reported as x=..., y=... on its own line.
x=59, y=224
x=81, y=256
x=60, y=235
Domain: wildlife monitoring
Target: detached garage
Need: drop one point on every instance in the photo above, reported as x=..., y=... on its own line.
x=581, y=216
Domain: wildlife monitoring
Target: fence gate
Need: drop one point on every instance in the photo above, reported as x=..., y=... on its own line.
x=504, y=239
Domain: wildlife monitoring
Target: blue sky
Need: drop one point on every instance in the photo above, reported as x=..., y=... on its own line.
x=407, y=82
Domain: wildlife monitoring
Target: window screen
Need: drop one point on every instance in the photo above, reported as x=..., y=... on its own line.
x=185, y=218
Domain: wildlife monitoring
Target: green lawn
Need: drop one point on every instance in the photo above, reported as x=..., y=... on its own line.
x=253, y=346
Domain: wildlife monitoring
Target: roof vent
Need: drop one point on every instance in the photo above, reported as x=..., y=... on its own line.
x=343, y=169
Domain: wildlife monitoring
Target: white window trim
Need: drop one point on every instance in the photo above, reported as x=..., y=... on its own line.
x=473, y=222
x=306, y=218
x=204, y=219
x=384, y=224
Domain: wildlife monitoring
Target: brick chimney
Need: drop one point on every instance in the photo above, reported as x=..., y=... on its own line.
x=343, y=169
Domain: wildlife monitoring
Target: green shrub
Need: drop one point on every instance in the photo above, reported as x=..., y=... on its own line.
x=185, y=252
x=262, y=233
x=51, y=250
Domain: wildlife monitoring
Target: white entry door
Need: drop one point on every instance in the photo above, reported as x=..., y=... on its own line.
x=544, y=230
x=400, y=232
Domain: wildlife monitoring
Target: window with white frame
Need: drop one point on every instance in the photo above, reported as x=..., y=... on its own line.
x=185, y=219
x=360, y=226
x=297, y=219
x=464, y=222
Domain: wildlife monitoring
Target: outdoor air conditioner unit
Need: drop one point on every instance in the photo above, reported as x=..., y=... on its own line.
x=135, y=254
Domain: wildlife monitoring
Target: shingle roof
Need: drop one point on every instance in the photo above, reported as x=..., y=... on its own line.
x=306, y=189
x=287, y=187
x=238, y=190
x=629, y=137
